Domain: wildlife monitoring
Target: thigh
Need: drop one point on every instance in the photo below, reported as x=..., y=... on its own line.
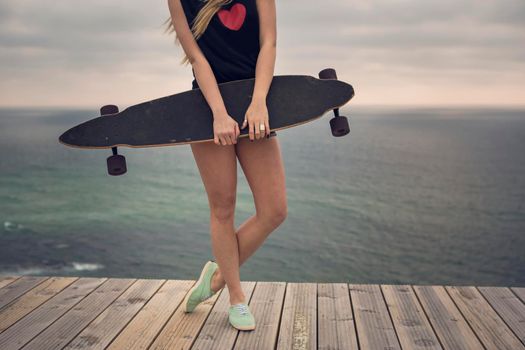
x=262, y=163
x=217, y=166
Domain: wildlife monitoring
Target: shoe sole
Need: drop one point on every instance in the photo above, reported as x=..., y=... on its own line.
x=192, y=289
x=244, y=328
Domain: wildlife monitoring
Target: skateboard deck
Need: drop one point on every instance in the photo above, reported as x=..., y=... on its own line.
x=186, y=117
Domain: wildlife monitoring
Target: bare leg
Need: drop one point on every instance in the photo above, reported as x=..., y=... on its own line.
x=218, y=169
x=263, y=166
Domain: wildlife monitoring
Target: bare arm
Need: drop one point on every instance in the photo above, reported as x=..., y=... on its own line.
x=267, y=40
x=257, y=112
x=226, y=129
x=203, y=73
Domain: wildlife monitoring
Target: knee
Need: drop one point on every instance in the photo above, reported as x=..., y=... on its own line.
x=276, y=215
x=222, y=207
x=281, y=214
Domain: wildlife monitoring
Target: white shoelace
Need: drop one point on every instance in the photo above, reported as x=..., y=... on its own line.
x=242, y=308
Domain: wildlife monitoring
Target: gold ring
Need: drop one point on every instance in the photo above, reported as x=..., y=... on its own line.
x=262, y=127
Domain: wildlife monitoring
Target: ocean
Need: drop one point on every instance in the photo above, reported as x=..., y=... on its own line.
x=411, y=195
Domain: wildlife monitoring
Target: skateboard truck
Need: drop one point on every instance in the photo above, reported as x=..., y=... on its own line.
x=339, y=123
x=116, y=162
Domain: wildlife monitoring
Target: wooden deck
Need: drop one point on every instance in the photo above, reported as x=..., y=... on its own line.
x=114, y=313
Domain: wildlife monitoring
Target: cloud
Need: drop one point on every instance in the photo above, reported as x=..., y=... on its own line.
x=394, y=51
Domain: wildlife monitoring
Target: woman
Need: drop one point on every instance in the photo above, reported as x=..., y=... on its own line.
x=231, y=40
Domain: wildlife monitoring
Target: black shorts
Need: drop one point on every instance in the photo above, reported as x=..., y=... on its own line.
x=272, y=133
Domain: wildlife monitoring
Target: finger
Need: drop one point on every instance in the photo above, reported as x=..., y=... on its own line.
x=227, y=139
x=244, y=124
x=267, y=123
x=216, y=139
x=263, y=132
x=251, y=130
x=258, y=131
x=237, y=132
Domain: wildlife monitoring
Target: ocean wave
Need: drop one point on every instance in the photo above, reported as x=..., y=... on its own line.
x=52, y=270
x=32, y=271
x=12, y=226
x=78, y=266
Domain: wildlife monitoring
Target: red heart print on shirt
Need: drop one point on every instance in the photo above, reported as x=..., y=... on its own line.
x=233, y=18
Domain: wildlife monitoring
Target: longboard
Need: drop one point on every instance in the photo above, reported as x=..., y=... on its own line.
x=186, y=118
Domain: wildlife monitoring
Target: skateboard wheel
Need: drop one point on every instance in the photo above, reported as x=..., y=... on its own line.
x=116, y=165
x=108, y=109
x=328, y=73
x=339, y=126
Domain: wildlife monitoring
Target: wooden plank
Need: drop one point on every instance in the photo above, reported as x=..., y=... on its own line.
x=298, y=329
x=266, y=304
x=485, y=322
x=5, y=280
x=99, y=333
x=32, y=299
x=61, y=332
x=509, y=308
x=412, y=327
x=374, y=326
x=217, y=333
x=39, y=319
x=520, y=293
x=336, y=328
x=19, y=287
x=145, y=326
x=451, y=328
x=97, y=313
x=182, y=328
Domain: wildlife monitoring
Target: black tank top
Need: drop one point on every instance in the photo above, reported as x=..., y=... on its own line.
x=230, y=43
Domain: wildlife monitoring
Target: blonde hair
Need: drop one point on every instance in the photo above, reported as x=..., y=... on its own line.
x=200, y=22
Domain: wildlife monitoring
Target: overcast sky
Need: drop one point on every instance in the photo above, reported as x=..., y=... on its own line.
x=408, y=52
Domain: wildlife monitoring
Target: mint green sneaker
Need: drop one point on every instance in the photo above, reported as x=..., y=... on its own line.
x=240, y=317
x=202, y=288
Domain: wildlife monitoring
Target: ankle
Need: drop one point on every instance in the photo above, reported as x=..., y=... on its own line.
x=238, y=301
x=217, y=282
x=237, y=298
